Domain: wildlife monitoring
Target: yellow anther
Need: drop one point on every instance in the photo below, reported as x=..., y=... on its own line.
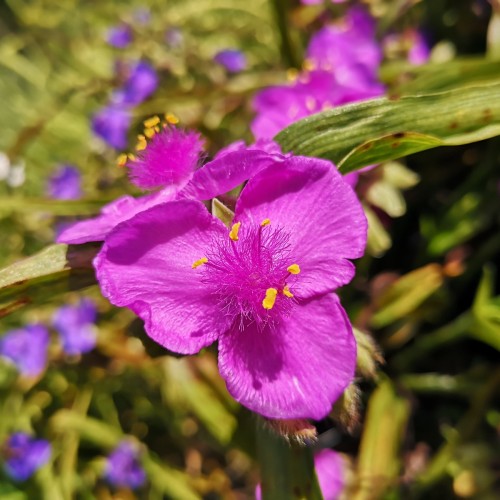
x=292, y=74
x=152, y=122
x=233, y=234
x=199, y=262
x=265, y=222
x=293, y=269
x=131, y=157
x=287, y=292
x=149, y=132
x=309, y=65
x=171, y=118
x=141, y=143
x=122, y=160
x=270, y=298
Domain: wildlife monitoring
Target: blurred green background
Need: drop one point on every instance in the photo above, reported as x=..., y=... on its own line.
x=427, y=423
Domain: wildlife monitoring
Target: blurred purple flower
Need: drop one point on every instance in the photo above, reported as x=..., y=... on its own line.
x=420, y=51
x=142, y=15
x=263, y=291
x=27, y=349
x=111, y=124
x=411, y=44
x=314, y=91
x=24, y=455
x=330, y=473
x=65, y=183
x=349, y=48
x=76, y=328
x=232, y=59
x=141, y=82
x=120, y=36
x=123, y=468
x=342, y=64
x=170, y=158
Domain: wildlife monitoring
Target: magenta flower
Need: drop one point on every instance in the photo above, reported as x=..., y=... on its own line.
x=419, y=52
x=170, y=158
x=342, y=62
x=330, y=473
x=76, y=328
x=123, y=468
x=27, y=349
x=24, y=455
x=231, y=167
x=65, y=183
x=263, y=289
x=313, y=92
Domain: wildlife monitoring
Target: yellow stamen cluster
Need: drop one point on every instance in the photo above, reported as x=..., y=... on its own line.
x=265, y=222
x=293, y=269
x=122, y=160
x=171, y=118
x=287, y=292
x=199, y=262
x=270, y=298
x=233, y=234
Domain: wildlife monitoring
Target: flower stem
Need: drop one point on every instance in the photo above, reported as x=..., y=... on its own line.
x=287, y=469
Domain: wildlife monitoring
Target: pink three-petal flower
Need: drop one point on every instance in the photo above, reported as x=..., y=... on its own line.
x=262, y=290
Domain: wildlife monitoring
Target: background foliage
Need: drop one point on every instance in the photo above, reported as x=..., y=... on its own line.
x=429, y=416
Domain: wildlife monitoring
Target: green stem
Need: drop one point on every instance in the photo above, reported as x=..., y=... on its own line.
x=449, y=333
x=466, y=428
x=288, y=47
x=287, y=470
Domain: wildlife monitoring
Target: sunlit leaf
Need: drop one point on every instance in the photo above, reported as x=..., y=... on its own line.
x=378, y=130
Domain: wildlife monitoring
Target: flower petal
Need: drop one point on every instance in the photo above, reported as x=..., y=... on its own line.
x=228, y=171
x=296, y=370
x=146, y=265
x=326, y=223
x=122, y=209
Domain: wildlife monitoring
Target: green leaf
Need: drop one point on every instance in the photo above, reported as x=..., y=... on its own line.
x=378, y=130
x=406, y=294
x=379, y=462
x=406, y=79
x=486, y=311
x=56, y=269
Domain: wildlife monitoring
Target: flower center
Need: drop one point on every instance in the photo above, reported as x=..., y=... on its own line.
x=251, y=272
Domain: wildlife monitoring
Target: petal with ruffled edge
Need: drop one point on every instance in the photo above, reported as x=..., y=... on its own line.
x=120, y=210
x=146, y=265
x=296, y=370
x=228, y=171
x=309, y=200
